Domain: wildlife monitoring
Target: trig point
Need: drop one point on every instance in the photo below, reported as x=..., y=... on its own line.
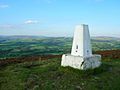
x=81, y=54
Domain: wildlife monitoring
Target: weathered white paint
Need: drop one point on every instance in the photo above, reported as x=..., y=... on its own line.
x=79, y=62
x=81, y=54
x=81, y=42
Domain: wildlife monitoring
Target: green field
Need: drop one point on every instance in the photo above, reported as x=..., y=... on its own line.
x=17, y=46
x=49, y=75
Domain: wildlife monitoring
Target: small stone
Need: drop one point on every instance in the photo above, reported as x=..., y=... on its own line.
x=82, y=84
x=78, y=88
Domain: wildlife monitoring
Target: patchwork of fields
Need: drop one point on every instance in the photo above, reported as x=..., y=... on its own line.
x=17, y=46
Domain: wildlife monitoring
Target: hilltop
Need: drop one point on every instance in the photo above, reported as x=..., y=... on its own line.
x=34, y=63
x=47, y=74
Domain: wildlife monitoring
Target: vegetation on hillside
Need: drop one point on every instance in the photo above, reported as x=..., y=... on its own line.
x=17, y=46
x=48, y=75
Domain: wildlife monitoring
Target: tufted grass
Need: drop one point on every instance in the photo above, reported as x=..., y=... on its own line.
x=49, y=75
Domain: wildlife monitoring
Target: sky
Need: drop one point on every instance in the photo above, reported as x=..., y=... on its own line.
x=58, y=18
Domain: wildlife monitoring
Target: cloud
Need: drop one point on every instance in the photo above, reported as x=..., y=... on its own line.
x=99, y=0
x=4, y=6
x=49, y=1
x=93, y=0
x=10, y=26
x=6, y=26
x=31, y=22
x=96, y=0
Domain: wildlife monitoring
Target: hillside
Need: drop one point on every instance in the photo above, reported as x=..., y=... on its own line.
x=33, y=63
x=47, y=74
x=17, y=46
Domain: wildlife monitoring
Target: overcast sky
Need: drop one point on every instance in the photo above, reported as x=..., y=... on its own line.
x=59, y=17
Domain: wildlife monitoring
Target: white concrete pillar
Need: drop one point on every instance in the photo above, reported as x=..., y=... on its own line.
x=81, y=54
x=81, y=42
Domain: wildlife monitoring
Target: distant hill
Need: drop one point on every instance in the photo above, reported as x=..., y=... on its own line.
x=17, y=46
x=21, y=36
x=106, y=38
x=30, y=36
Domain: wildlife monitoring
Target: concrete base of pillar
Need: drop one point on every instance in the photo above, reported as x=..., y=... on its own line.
x=79, y=62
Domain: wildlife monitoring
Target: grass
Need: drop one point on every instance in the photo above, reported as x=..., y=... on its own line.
x=49, y=75
x=19, y=46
